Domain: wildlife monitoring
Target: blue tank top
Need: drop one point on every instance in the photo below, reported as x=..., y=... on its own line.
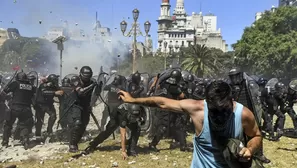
x=206, y=153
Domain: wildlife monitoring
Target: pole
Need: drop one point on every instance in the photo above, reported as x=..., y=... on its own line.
x=134, y=47
x=165, y=59
x=61, y=51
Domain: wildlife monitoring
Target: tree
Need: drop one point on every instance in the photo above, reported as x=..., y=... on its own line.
x=201, y=60
x=269, y=47
x=25, y=52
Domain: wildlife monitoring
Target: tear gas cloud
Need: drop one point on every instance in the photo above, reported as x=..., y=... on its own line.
x=51, y=13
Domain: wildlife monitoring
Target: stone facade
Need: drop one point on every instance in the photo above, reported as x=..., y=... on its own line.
x=180, y=30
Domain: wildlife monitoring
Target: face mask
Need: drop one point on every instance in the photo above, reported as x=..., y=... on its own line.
x=219, y=123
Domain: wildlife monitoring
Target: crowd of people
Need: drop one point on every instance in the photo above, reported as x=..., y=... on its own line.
x=220, y=112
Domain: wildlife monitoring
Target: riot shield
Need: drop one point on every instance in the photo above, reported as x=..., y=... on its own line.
x=34, y=75
x=101, y=82
x=293, y=85
x=165, y=75
x=270, y=86
x=255, y=77
x=254, y=94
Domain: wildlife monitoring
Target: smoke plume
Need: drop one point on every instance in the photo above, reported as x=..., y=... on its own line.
x=38, y=17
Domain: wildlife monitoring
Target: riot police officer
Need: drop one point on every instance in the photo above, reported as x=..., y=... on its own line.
x=291, y=99
x=245, y=91
x=66, y=87
x=45, y=103
x=278, y=107
x=119, y=83
x=134, y=87
x=80, y=117
x=23, y=92
x=130, y=118
x=166, y=122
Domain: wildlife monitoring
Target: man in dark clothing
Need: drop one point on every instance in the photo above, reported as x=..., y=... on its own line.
x=23, y=92
x=291, y=99
x=79, y=115
x=45, y=103
x=167, y=123
x=119, y=83
x=66, y=87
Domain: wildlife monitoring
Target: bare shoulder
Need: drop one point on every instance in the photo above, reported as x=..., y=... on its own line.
x=247, y=116
x=191, y=105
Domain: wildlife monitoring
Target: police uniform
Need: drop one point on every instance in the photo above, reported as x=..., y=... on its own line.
x=21, y=102
x=67, y=89
x=45, y=104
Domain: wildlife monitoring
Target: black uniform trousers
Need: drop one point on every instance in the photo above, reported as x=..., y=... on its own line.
x=78, y=120
x=3, y=110
x=62, y=115
x=172, y=124
x=292, y=114
x=25, y=122
x=116, y=120
x=40, y=110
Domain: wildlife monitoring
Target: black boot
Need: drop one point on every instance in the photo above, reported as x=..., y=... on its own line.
x=89, y=149
x=4, y=144
x=153, y=148
x=264, y=159
x=73, y=148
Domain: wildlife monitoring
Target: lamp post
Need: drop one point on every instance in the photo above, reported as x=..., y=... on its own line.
x=176, y=51
x=59, y=41
x=165, y=57
x=135, y=32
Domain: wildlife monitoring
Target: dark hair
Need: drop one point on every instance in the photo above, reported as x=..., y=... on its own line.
x=219, y=97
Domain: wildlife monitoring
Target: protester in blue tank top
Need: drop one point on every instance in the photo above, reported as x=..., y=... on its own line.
x=216, y=117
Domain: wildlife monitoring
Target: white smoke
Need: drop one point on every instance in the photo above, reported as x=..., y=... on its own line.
x=51, y=13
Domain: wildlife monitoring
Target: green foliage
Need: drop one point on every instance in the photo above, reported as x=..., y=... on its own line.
x=269, y=47
x=25, y=52
x=203, y=61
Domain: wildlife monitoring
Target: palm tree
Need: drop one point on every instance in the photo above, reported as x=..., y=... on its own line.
x=200, y=60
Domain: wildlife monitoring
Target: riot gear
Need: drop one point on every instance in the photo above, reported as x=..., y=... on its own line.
x=53, y=79
x=75, y=81
x=66, y=82
x=236, y=76
x=21, y=76
x=23, y=92
x=175, y=77
x=86, y=73
x=190, y=78
x=262, y=82
x=136, y=78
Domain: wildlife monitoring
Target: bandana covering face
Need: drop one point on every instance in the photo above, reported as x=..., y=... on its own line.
x=221, y=123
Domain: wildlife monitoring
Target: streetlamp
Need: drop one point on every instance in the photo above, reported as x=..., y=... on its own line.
x=59, y=41
x=135, y=31
x=165, y=57
x=176, y=49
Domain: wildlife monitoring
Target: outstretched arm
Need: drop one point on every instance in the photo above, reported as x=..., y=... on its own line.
x=186, y=105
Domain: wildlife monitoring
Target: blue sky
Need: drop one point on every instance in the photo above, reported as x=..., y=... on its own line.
x=233, y=15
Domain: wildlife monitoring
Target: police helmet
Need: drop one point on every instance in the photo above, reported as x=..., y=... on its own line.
x=279, y=85
x=53, y=78
x=262, y=81
x=21, y=76
x=74, y=81
x=190, y=78
x=65, y=81
x=234, y=71
x=136, y=77
x=175, y=77
x=86, y=73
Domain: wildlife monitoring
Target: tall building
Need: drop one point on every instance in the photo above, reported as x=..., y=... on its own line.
x=287, y=3
x=181, y=30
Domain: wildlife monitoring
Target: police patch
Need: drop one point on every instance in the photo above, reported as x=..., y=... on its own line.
x=25, y=87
